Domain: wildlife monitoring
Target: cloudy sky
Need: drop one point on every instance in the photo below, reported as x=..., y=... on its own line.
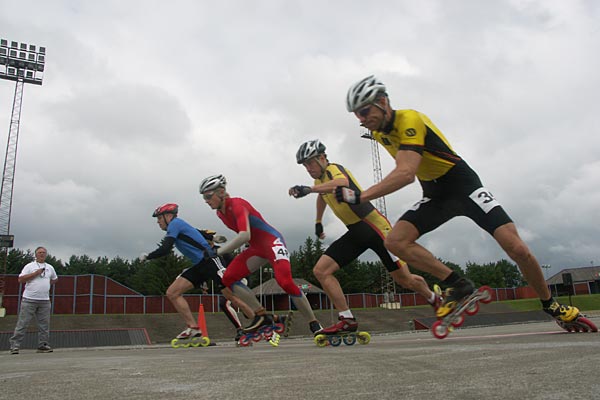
x=143, y=99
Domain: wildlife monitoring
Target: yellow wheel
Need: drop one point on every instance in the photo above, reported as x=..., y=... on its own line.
x=321, y=340
x=200, y=341
x=274, y=341
x=363, y=337
x=175, y=343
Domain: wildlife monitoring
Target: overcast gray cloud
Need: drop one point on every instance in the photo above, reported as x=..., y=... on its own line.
x=142, y=99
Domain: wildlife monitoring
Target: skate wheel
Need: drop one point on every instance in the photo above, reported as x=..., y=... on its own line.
x=363, y=337
x=279, y=327
x=245, y=341
x=587, y=323
x=335, y=340
x=175, y=343
x=256, y=337
x=349, y=340
x=274, y=341
x=321, y=340
x=486, y=294
x=460, y=319
x=200, y=341
x=472, y=309
x=439, y=330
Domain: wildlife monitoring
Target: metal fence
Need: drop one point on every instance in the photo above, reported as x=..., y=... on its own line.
x=97, y=294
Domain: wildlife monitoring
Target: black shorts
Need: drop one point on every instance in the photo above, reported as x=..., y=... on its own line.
x=480, y=206
x=359, y=238
x=206, y=270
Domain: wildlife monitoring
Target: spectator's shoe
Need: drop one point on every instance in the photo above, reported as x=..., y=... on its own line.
x=14, y=350
x=44, y=348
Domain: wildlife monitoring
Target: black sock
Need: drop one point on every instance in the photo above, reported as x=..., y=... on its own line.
x=451, y=279
x=547, y=303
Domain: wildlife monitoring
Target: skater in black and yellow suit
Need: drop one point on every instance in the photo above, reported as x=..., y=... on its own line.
x=367, y=229
x=450, y=188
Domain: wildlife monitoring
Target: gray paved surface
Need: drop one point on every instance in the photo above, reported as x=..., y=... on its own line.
x=525, y=361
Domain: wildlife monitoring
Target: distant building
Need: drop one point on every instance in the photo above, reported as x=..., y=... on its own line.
x=583, y=280
x=274, y=297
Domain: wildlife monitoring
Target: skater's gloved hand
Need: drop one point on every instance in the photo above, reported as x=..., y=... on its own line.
x=299, y=191
x=347, y=195
x=219, y=239
x=143, y=257
x=319, y=230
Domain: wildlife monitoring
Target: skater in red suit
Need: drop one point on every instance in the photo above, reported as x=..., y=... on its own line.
x=265, y=244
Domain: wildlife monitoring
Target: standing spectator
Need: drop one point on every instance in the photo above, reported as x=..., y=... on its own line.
x=37, y=276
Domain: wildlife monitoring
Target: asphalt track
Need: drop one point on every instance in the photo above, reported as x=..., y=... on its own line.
x=524, y=361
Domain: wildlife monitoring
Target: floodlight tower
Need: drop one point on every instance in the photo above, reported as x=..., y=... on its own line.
x=387, y=283
x=21, y=63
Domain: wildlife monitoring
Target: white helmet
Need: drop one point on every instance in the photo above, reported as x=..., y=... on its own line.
x=308, y=150
x=363, y=92
x=212, y=183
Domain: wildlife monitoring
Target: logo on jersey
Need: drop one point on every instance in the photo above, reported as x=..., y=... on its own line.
x=410, y=132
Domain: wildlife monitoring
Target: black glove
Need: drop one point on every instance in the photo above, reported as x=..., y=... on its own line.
x=300, y=191
x=347, y=195
x=318, y=229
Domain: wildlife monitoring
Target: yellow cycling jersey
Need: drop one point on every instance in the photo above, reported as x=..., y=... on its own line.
x=412, y=130
x=351, y=213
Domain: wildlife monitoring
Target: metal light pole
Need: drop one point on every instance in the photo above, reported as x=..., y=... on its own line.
x=388, y=286
x=21, y=63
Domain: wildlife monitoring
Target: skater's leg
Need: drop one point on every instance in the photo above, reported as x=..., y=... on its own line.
x=324, y=270
x=230, y=312
x=175, y=295
x=413, y=282
x=283, y=276
x=401, y=242
x=508, y=238
x=238, y=303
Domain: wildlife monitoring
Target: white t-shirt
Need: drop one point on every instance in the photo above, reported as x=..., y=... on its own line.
x=38, y=288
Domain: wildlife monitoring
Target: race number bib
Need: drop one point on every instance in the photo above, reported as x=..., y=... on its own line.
x=281, y=253
x=484, y=199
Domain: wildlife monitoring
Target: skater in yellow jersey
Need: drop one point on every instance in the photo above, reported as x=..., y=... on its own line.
x=367, y=229
x=450, y=188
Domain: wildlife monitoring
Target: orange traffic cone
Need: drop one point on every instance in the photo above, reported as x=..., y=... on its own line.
x=202, y=320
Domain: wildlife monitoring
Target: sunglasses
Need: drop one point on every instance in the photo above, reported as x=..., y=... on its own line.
x=363, y=112
x=208, y=195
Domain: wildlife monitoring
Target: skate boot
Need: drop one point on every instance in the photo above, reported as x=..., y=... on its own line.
x=562, y=312
x=190, y=336
x=438, y=299
x=345, y=325
x=569, y=318
x=315, y=327
x=258, y=322
x=238, y=335
x=344, y=331
x=453, y=296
